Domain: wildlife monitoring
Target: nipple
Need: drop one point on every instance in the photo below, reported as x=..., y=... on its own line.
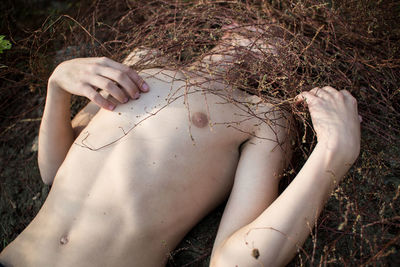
x=64, y=240
x=199, y=119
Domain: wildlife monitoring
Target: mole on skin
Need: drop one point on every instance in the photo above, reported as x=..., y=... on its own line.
x=199, y=119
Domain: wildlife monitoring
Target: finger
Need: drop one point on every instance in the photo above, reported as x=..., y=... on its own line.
x=299, y=99
x=350, y=99
x=348, y=95
x=321, y=92
x=306, y=97
x=302, y=97
x=109, y=86
x=144, y=87
x=122, y=79
x=140, y=83
x=94, y=96
x=330, y=89
x=314, y=90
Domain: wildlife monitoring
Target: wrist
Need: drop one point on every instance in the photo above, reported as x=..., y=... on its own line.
x=346, y=149
x=57, y=99
x=54, y=90
x=335, y=159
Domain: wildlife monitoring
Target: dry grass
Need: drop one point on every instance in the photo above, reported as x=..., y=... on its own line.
x=351, y=45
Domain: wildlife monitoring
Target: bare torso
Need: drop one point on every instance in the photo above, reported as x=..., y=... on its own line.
x=138, y=178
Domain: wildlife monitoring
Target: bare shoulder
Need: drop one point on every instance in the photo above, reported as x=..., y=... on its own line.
x=272, y=131
x=270, y=121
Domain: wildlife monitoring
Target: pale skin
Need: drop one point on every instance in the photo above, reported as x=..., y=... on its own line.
x=141, y=164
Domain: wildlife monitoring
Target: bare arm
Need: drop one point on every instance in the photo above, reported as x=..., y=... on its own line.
x=56, y=134
x=281, y=229
x=80, y=77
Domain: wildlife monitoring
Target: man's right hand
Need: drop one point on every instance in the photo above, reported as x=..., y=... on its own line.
x=335, y=120
x=83, y=76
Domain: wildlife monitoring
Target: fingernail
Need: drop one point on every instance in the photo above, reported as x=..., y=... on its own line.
x=137, y=95
x=126, y=99
x=145, y=87
x=111, y=107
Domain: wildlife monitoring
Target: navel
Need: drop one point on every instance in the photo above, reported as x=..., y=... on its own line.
x=199, y=119
x=64, y=240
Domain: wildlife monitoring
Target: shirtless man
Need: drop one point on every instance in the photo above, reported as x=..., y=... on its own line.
x=142, y=172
